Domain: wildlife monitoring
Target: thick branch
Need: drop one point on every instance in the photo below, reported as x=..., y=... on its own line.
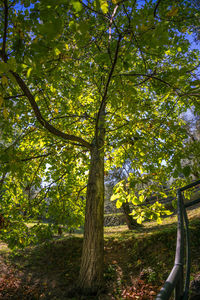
x=41, y=119
x=3, y=50
x=111, y=21
x=156, y=7
x=102, y=106
x=2, y=180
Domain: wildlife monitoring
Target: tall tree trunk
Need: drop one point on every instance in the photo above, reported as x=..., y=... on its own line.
x=131, y=223
x=91, y=272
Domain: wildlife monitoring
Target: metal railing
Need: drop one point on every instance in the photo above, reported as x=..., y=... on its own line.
x=176, y=280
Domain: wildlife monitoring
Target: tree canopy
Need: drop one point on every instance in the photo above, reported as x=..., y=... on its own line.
x=86, y=84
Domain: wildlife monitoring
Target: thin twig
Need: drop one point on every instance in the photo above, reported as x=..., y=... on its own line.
x=28, y=158
x=78, y=193
x=14, y=97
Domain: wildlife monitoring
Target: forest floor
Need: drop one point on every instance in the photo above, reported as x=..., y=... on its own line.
x=136, y=263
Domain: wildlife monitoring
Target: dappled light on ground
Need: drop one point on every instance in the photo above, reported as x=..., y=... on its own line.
x=136, y=263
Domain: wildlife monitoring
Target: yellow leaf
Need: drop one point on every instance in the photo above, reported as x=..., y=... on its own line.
x=139, y=220
x=29, y=72
x=167, y=52
x=179, y=49
x=5, y=113
x=173, y=12
x=4, y=80
x=166, y=97
x=135, y=200
x=57, y=51
x=118, y=204
x=1, y=100
x=114, y=197
x=104, y=6
x=141, y=170
x=141, y=198
x=52, y=89
x=159, y=220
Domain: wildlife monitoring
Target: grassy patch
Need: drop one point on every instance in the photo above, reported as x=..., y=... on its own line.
x=136, y=262
x=3, y=248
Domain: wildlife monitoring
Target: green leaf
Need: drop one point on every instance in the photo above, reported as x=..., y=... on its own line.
x=1, y=100
x=12, y=64
x=186, y=171
x=4, y=67
x=77, y=6
x=12, y=78
x=51, y=29
x=4, y=80
x=173, y=12
x=5, y=113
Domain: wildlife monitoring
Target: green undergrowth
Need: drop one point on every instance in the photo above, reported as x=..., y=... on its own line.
x=144, y=256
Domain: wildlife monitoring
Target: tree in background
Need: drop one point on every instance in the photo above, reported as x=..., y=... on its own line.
x=84, y=86
x=114, y=177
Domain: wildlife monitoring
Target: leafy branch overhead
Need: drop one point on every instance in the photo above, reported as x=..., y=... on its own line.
x=88, y=87
x=142, y=210
x=95, y=65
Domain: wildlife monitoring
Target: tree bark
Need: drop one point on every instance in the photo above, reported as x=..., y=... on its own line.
x=91, y=272
x=131, y=223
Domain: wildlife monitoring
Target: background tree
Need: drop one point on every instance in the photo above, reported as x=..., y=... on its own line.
x=82, y=82
x=114, y=177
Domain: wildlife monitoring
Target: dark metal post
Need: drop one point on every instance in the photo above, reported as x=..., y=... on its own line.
x=176, y=278
x=188, y=255
x=179, y=258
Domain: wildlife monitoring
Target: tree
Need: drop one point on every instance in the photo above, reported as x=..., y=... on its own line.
x=115, y=176
x=190, y=161
x=85, y=84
